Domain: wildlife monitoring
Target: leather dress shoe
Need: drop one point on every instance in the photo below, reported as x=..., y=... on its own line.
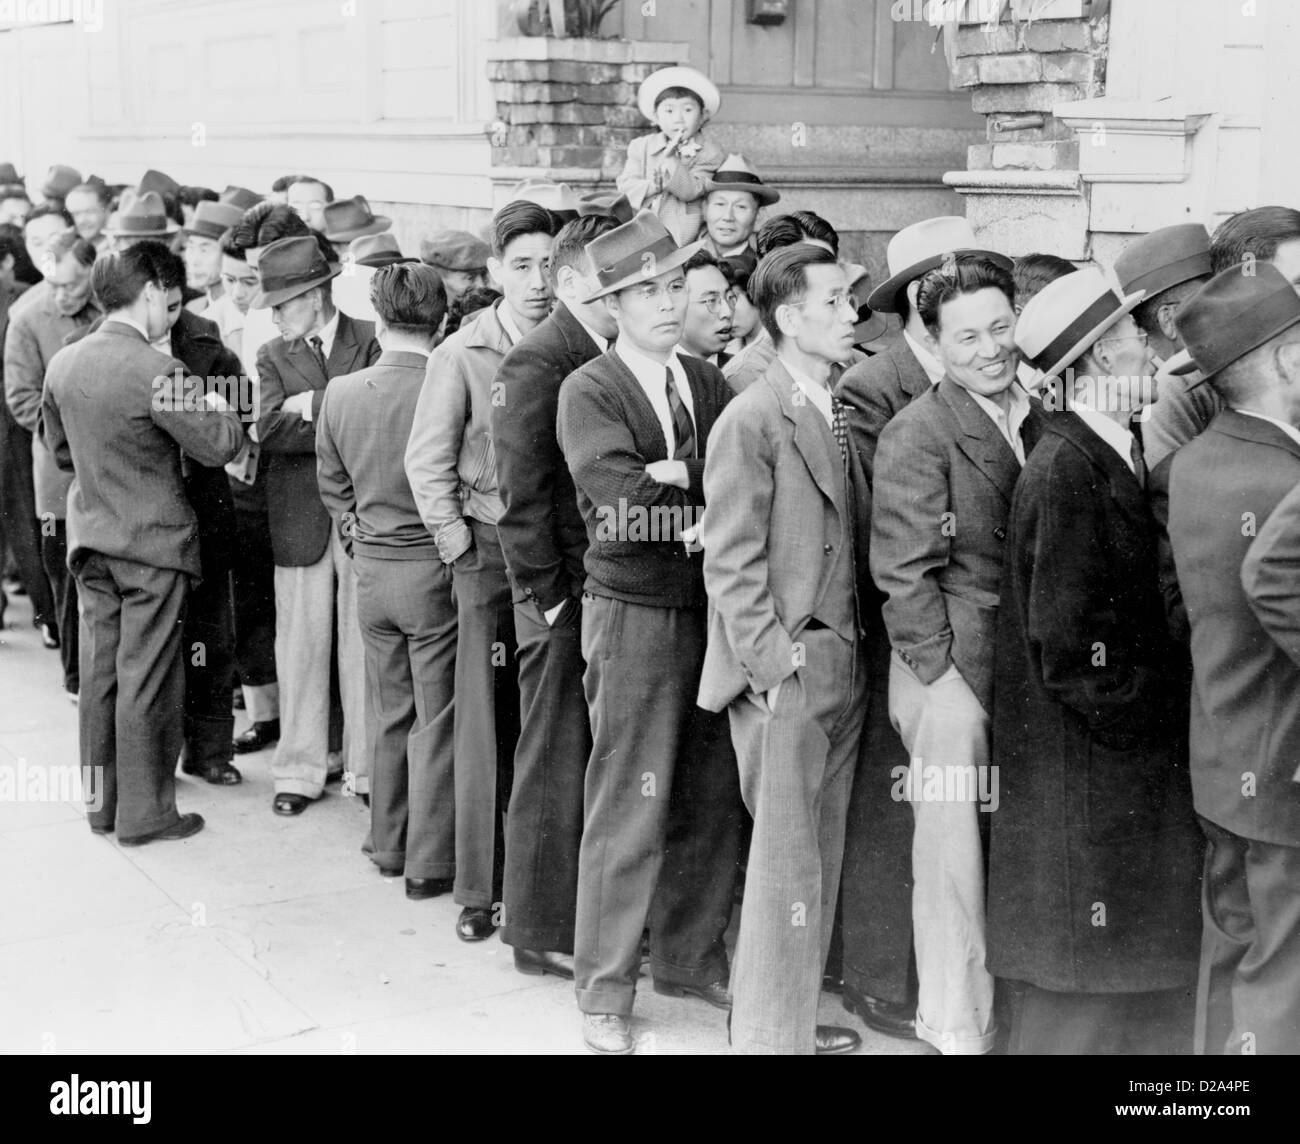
x=418, y=889
x=715, y=993
x=218, y=774
x=832, y=1040
x=257, y=737
x=101, y=830
x=832, y=983
x=290, y=804
x=186, y=825
x=474, y=924
x=49, y=635
x=390, y=871
x=537, y=962
x=888, y=1017
x=607, y=1033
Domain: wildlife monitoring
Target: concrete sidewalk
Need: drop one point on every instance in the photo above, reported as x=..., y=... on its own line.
x=258, y=935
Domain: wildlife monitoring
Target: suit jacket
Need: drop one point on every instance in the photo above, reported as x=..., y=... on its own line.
x=1089, y=737
x=365, y=421
x=300, y=526
x=780, y=521
x=1187, y=405
x=943, y=479
x=37, y=331
x=609, y=433
x=680, y=206
x=541, y=529
x=876, y=389
x=1245, y=720
x=102, y=420
x=449, y=459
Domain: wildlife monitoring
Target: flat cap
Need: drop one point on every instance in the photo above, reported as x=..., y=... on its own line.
x=454, y=250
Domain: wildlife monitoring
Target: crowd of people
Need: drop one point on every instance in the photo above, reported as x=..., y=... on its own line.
x=948, y=629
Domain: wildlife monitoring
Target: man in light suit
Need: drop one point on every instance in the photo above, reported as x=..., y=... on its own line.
x=317, y=342
x=785, y=565
x=108, y=417
x=1243, y=332
x=876, y=895
x=944, y=474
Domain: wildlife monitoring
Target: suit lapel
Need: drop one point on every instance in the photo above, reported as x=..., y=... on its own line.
x=912, y=377
x=810, y=435
x=343, y=353
x=1120, y=481
x=304, y=361
x=1256, y=430
x=981, y=442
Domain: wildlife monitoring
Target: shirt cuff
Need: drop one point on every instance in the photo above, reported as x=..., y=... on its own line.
x=454, y=539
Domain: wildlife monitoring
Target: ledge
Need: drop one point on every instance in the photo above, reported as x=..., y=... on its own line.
x=1010, y=181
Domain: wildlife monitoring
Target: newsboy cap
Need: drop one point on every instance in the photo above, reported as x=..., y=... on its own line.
x=454, y=250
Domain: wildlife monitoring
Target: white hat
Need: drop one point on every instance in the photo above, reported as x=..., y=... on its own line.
x=665, y=78
x=1067, y=316
x=921, y=247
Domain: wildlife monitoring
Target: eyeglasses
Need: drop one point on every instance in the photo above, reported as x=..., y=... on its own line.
x=653, y=290
x=833, y=303
x=714, y=302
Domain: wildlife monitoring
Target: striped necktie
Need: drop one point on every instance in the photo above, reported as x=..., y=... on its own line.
x=318, y=351
x=1137, y=455
x=683, y=426
x=840, y=427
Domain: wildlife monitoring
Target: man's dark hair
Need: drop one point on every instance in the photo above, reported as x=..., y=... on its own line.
x=1255, y=233
x=410, y=297
x=47, y=209
x=118, y=279
x=814, y=226
x=1034, y=271
x=699, y=260
x=737, y=272
x=678, y=93
x=782, y=277
x=965, y=274
x=329, y=191
x=70, y=242
x=1146, y=313
x=231, y=248
x=284, y=182
x=96, y=188
x=516, y=219
x=11, y=243
x=571, y=242
x=467, y=305
x=798, y=226
x=192, y=196
x=264, y=223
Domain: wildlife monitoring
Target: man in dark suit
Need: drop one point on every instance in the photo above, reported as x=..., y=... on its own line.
x=1094, y=852
x=876, y=892
x=404, y=591
x=108, y=415
x=543, y=539
x=312, y=571
x=1243, y=332
x=785, y=564
x=944, y=474
x=662, y=803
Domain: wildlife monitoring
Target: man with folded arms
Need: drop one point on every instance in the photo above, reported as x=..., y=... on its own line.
x=1243, y=333
x=135, y=540
x=543, y=539
x=662, y=804
x=785, y=564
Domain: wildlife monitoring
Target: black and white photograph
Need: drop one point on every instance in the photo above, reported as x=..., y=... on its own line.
x=585, y=528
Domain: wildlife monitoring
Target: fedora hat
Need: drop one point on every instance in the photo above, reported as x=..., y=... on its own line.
x=609, y=204
x=9, y=176
x=289, y=267
x=1180, y=364
x=735, y=174
x=1236, y=312
x=162, y=184
x=869, y=325
x=637, y=251
x=1164, y=258
x=921, y=247
x=557, y=197
x=376, y=250
x=59, y=180
x=1067, y=316
x=689, y=78
x=212, y=220
x=346, y=219
x=240, y=197
x=140, y=216
x=455, y=250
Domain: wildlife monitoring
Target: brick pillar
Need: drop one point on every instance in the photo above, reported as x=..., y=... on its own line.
x=567, y=108
x=1022, y=185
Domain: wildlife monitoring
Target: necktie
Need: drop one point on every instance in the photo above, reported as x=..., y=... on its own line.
x=683, y=426
x=1139, y=460
x=840, y=427
x=318, y=351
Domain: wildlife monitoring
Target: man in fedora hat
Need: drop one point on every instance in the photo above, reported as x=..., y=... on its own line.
x=240, y=197
x=942, y=479
x=1243, y=332
x=662, y=805
x=312, y=570
x=139, y=217
x=363, y=257
x=785, y=563
x=87, y=203
x=59, y=180
x=14, y=205
x=352, y=218
x=1090, y=713
x=558, y=198
x=543, y=539
x=452, y=468
x=202, y=252
x=734, y=197
x=460, y=259
x=308, y=196
x=879, y=971
x=611, y=204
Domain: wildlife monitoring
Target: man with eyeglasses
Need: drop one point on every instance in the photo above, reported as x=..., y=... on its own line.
x=709, y=310
x=662, y=801
x=307, y=197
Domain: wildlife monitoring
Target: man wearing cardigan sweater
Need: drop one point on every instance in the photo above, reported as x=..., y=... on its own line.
x=662, y=792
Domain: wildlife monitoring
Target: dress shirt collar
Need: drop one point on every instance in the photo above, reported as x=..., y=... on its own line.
x=327, y=333
x=1290, y=430
x=508, y=323
x=649, y=372
x=602, y=344
x=1114, y=434
x=932, y=365
x=133, y=324
x=1009, y=420
x=819, y=395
